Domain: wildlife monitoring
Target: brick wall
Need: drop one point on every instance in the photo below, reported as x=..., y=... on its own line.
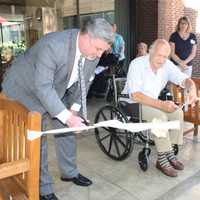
x=168, y=14
x=193, y=14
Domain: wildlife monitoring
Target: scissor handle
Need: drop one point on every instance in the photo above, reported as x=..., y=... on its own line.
x=85, y=121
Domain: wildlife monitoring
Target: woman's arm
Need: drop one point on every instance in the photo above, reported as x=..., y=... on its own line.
x=192, y=55
x=173, y=55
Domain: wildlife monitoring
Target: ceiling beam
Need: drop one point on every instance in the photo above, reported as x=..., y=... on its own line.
x=37, y=3
x=12, y=2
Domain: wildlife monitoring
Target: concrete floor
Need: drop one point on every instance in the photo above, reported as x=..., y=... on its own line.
x=124, y=180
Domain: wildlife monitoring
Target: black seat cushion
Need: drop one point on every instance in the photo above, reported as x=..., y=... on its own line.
x=130, y=109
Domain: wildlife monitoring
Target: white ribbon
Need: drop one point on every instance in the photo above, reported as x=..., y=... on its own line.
x=157, y=127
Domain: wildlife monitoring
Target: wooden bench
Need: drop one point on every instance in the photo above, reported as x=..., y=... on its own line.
x=19, y=157
x=193, y=114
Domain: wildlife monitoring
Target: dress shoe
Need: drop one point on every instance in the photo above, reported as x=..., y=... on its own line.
x=176, y=164
x=79, y=180
x=167, y=170
x=51, y=196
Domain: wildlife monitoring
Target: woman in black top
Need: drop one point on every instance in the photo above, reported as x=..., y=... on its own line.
x=183, y=45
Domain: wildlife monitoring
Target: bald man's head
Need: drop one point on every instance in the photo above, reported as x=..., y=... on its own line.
x=159, y=44
x=159, y=52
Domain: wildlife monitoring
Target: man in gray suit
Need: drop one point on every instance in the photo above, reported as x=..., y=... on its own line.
x=45, y=79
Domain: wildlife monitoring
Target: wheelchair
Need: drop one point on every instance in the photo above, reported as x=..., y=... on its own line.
x=118, y=144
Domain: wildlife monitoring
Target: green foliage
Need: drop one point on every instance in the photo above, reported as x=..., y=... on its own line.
x=16, y=47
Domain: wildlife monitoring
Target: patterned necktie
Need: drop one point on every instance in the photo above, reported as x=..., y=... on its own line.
x=82, y=87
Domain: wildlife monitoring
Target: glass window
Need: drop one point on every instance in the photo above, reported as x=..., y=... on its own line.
x=71, y=21
x=12, y=34
x=12, y=37
x=86, y=9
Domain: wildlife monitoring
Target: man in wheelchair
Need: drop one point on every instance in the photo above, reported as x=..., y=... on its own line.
x=147, y=76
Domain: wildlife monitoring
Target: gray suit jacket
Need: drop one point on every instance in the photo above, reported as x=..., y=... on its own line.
x=40, y=76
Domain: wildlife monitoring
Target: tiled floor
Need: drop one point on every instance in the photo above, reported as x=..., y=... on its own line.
x=124, y=180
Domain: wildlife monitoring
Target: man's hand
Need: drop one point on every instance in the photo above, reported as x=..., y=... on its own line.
x=168, y=106
x=191, y=88
x=75, y=121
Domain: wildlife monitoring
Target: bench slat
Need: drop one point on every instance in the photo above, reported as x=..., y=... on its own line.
x=13, y=168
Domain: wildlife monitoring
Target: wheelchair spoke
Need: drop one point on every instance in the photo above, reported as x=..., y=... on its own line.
x=104, y=117
x=107, y=129
x=110, y=144
x=120, y=141
x=117, y=147
x=105, y=137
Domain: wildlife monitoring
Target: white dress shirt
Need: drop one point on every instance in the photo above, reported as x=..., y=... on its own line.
x=142, y=79
x=65, y=114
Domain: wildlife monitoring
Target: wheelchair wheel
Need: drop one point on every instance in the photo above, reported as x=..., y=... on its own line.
x=143, y=158
x=115, y=143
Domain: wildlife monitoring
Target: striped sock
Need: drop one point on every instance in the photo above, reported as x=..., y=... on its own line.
x=170, y=155
x=162, y=159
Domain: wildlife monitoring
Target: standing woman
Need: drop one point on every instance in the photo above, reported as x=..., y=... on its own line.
x=183, y=45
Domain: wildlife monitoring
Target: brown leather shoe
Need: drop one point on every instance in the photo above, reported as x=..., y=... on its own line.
x=176, y=164
x=168, y=170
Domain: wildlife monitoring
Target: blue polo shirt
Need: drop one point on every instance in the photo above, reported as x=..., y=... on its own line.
x=183, y=48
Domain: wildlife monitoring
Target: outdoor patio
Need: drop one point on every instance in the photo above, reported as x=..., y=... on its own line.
x=115, y=180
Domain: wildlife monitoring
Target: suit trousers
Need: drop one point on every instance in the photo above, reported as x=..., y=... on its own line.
x=164, y=144
x=65, y=146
